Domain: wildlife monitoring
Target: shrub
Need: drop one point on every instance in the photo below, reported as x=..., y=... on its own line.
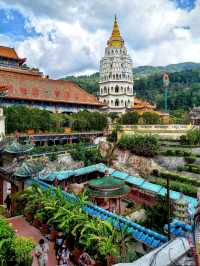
x=144, y=145
x=150, y=118
x=113, y=136
x=129, y=118
x=155, y=172
x=180, y=168
x=170, y=152
x=22, y=247
x=53, y=157
x=190, y=159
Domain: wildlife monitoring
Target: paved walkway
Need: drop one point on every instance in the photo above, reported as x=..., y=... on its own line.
x=23, y=228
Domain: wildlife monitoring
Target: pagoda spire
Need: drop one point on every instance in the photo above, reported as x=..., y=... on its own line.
x=115, y=39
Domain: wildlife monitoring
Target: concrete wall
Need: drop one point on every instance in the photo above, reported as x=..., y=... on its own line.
x=163, y=131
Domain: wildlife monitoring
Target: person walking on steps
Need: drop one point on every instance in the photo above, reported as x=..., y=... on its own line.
x=63, y=255
x=41, y=252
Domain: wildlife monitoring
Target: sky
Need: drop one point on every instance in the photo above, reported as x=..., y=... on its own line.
x=68, y=37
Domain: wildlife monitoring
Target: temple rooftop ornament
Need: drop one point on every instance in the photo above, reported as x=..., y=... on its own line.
x=29, y=168
x=115, y=39
x=17, y=148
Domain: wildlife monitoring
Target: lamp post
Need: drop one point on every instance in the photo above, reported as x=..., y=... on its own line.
x=166, y=85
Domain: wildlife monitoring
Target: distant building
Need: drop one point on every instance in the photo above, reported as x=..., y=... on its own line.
x=141, y=106
x=116, y=77
x=26, y=86
x=195, y=115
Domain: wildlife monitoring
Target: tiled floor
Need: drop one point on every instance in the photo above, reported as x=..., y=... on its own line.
x=23, y=228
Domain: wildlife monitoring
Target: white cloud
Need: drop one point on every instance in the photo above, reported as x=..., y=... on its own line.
x=73, y=34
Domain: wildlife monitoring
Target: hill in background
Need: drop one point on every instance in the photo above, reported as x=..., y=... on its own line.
x=184, y=90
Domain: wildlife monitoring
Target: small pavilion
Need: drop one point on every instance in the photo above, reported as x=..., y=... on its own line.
x=107, y=189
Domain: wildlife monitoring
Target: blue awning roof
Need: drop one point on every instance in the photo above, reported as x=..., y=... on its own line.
x=119, y=174
x=138, y=181
x=151, y=186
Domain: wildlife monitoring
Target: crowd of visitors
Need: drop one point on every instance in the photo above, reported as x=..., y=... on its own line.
x=62, y=253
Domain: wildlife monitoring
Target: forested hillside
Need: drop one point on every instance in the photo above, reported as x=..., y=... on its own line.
x=184, y=90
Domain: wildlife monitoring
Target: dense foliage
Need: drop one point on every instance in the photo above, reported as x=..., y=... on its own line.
x=92, y=235
x=157, y=215
x=144, y=145
x=184, y=89
x=88, y=156
x=150, y=118
x=129, y=118
x=22, y=118
x=86, y=121
x=192, y=137
x=14, y=250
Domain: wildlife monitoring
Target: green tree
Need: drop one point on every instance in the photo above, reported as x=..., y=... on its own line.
x=144, y=145
x=150, y=118
x=129, y=118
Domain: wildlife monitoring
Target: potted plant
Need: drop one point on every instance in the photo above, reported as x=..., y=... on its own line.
x=37, y=222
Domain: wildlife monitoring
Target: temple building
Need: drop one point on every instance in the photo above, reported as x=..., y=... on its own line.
x=194, y=115
x=28, y=86
x=116, y=77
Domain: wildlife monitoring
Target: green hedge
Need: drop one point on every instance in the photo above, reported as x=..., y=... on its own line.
x=178, y=152
x=177, y=186
x=176, y=177
x=143, y=145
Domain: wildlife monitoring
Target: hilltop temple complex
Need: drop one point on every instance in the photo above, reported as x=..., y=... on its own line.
x=30, y=87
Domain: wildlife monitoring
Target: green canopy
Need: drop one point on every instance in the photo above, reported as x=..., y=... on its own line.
x=16, y=148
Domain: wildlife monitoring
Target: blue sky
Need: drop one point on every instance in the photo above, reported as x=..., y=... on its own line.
x=69, y=36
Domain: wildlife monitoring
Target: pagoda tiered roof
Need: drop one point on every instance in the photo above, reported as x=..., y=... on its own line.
x=107, y=187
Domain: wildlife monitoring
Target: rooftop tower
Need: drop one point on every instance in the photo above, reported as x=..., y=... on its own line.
x=116, y=77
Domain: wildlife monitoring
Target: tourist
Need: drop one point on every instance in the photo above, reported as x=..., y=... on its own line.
x=85, y=260
x=56, y=182
x=63, y=256
x=41, y=252
x=8, y=203
x=59, y=241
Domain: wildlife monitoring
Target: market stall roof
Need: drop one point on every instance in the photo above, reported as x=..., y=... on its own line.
x=17, y=148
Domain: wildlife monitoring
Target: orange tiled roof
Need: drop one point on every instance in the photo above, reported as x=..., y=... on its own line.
x=139, y=104
x=28, y=87
x=8, y=52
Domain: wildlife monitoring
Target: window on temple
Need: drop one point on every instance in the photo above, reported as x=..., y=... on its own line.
x=116, y=76
x=121, y=89
x=105, y=89
x=104, y=101
x=113, y=76
x=116, y=88
x=122, y=102
x=112, y=102
x=117, y=102
x=111, y=88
